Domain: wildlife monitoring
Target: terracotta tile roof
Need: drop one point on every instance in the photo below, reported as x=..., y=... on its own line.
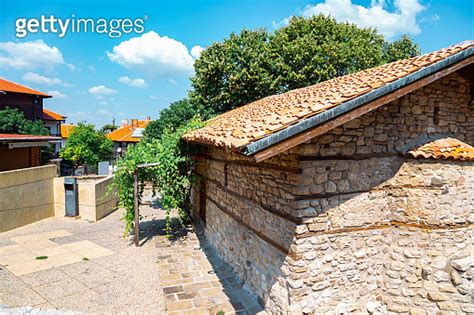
x=66, y=130
x=49, y=115
x=18, y=137
x=9, y=86
x=447, y=148
x=247, y=124
x=124, y=133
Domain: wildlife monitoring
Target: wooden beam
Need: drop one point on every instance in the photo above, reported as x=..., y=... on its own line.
x=357, y=112
x=136, y=238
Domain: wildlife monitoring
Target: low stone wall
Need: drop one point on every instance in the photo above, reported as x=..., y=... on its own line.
x=26, y=196
x=95, y=197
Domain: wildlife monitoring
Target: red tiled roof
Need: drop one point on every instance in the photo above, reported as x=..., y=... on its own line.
x=49, y=115
x=447, y=148
x=66, y=130
x=18, y=137
x=124, y=133
x=9, y=86
x=247, y=124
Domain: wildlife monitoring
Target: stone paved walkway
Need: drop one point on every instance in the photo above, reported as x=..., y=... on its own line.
x=124, y=281
x=185, y=278
x=196, y=281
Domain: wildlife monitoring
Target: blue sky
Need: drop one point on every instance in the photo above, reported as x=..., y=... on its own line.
x=97, y=78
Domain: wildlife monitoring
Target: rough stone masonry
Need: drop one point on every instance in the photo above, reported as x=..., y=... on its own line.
x=348, y=222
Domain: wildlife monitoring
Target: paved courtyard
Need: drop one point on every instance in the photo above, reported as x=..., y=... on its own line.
x=75, y=266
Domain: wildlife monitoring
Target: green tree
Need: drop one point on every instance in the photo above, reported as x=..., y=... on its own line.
x=234, y=72
x=316, y=49
x=13, y=120
x=254, y=64
x=107, y=128
x=400, y=49
x=178, y=114
x=86, y=145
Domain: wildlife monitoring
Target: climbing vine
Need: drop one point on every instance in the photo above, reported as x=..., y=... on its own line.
x=171, y=178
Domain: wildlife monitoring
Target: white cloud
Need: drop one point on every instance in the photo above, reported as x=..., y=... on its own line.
x=29, y=55
x=104, y=112
x=154, y=55
x=71, y=67
x=196, y=51
x=403, y=20
x=139, y=83
x=173, y=82
x=57, y=94
x=33, y=77
x=100, y=89
x=92, y=68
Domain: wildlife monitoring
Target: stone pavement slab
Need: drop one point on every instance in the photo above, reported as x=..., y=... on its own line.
x=114, y=278
x=22, y=258
x=196, y=281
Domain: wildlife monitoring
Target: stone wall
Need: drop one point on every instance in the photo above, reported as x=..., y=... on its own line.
x=26, y=196
x=247, y=216
x=348, y=222
x=442, y=108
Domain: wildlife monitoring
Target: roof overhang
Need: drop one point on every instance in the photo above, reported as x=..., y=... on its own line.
x=24, y=93
x=321, y=123
x=17, y=138
x=27, y=144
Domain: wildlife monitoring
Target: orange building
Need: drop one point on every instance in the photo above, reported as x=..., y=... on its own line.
x=128, y=134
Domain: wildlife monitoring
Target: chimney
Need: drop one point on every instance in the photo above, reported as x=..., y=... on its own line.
x=134, y=123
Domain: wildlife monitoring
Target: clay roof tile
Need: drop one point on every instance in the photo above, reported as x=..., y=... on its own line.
x=232, y=128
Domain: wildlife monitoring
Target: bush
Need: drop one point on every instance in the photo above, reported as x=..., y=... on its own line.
x=14, y=121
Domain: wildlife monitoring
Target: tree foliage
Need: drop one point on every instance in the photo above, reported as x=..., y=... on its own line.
x=86, y=145
x=400, y=49
x=233, y=72
x=14, y=121
x=177, y=115
x=171, y=178
x=254, y=64
x=107, y=128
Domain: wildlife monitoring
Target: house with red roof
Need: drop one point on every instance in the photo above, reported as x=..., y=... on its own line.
x=20, y=151
x=354, y=195
x=53, y=122
x=27, y=100
x=130, y=133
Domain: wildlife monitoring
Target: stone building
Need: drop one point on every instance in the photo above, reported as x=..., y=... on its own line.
x=352, y=195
